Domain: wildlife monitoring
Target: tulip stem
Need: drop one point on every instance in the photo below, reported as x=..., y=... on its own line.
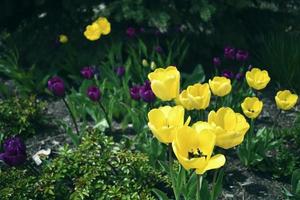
x=72, y=115
x=199, y=185
x=171, y=170
x=214, y=183
x=249, y=137
x=106, y=115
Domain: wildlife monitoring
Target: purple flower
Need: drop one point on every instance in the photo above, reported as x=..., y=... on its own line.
x=88, y=72
x=131, y=32
x=146, y=92
x=14, y=152
x=158, y=49
x=135, y=92
x=239, y=76
x=142, y=30
x=229, y=52
x=120, y=71
x=94, y=93
x=56, y=86
x=242, y=55
x=228, y=74
x=216, y=61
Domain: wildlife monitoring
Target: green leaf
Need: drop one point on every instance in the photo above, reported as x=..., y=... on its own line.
x=196, y=76
x=160, y=194
x=296, y=182
x=219, y=184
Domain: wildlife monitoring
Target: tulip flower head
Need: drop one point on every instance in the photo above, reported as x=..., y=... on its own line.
x=216, y=61
x=100, y=27
x=88, y=72
x=220, y=86
x=56, y=86
x=146, y=92
x=164, y=122
x=94, y=93
x=257, y=79
x=63, y=39
x=196, y=96
x=229, y=53
x=230, y=127
x=131, y=32
x=120, y=71
x=135, y=92
x=228, y=74
x=241, y=55
x=145, y=63
x=165, y=83
x=194, y=147
x=285, y=100
x=14, y=152
x=252, y=107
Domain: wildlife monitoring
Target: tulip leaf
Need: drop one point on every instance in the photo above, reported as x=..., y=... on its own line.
x=196, y=76
x=296, y=182
x=218, y=185
x=204, y=193
x=160, y=194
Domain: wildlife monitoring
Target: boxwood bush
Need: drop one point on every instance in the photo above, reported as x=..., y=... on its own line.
x=98, y=169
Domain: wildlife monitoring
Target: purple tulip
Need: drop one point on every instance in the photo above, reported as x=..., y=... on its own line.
x=228, y=74
x=135, y=92
x=120, y=71
x=229, y=52
x=239, y=76
x=146, y=92
x=241, y=55
x=131, y=32
x=14, y=152
x=158, y=49
x=216, y=61
x=56, y=86
x=94, y=93
x=88, y=72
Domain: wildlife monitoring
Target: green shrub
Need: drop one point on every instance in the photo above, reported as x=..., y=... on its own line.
x=97, y=169
x=20, y=116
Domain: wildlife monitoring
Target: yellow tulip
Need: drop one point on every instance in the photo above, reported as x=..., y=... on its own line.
x=230, y=127
x=257, y=79
x=92, y=32
x=285, y=100
x=220, y=86
x=252, y=107
x=63, y=38
x=196, y=96
x=104, y=25
x=164, y=122
x=165, y=83
x=194, y=147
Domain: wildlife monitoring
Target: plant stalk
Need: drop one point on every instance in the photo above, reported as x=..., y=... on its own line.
x=72, y=116
x=199, y=185
x=105, y=114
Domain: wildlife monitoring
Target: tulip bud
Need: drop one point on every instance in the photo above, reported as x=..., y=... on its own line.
x=216, y=61
x=135, y=92
x=56, y=86
x=146, y=92
x=94, y=93
x=88, y=72
x=14, y=152
x=242, y=55
x=145, y=63
x=120, y=71
x=229, y=53
x=63, y=39
x=153, y=65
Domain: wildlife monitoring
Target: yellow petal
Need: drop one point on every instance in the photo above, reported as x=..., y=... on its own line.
x=214, y=162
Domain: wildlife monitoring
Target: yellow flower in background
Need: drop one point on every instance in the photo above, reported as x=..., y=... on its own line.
x=257, y=79
x=164, y=122
x=285, y=100
x=194, y=147
x=96, y=29
x=92, y=32
x=165, y=83
x=230, y=127
x=252, y=107
x=63, y=38
x=104, y=25
x=196, y=96
x=145, y=63
x=153, y=65
x=220, y=86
